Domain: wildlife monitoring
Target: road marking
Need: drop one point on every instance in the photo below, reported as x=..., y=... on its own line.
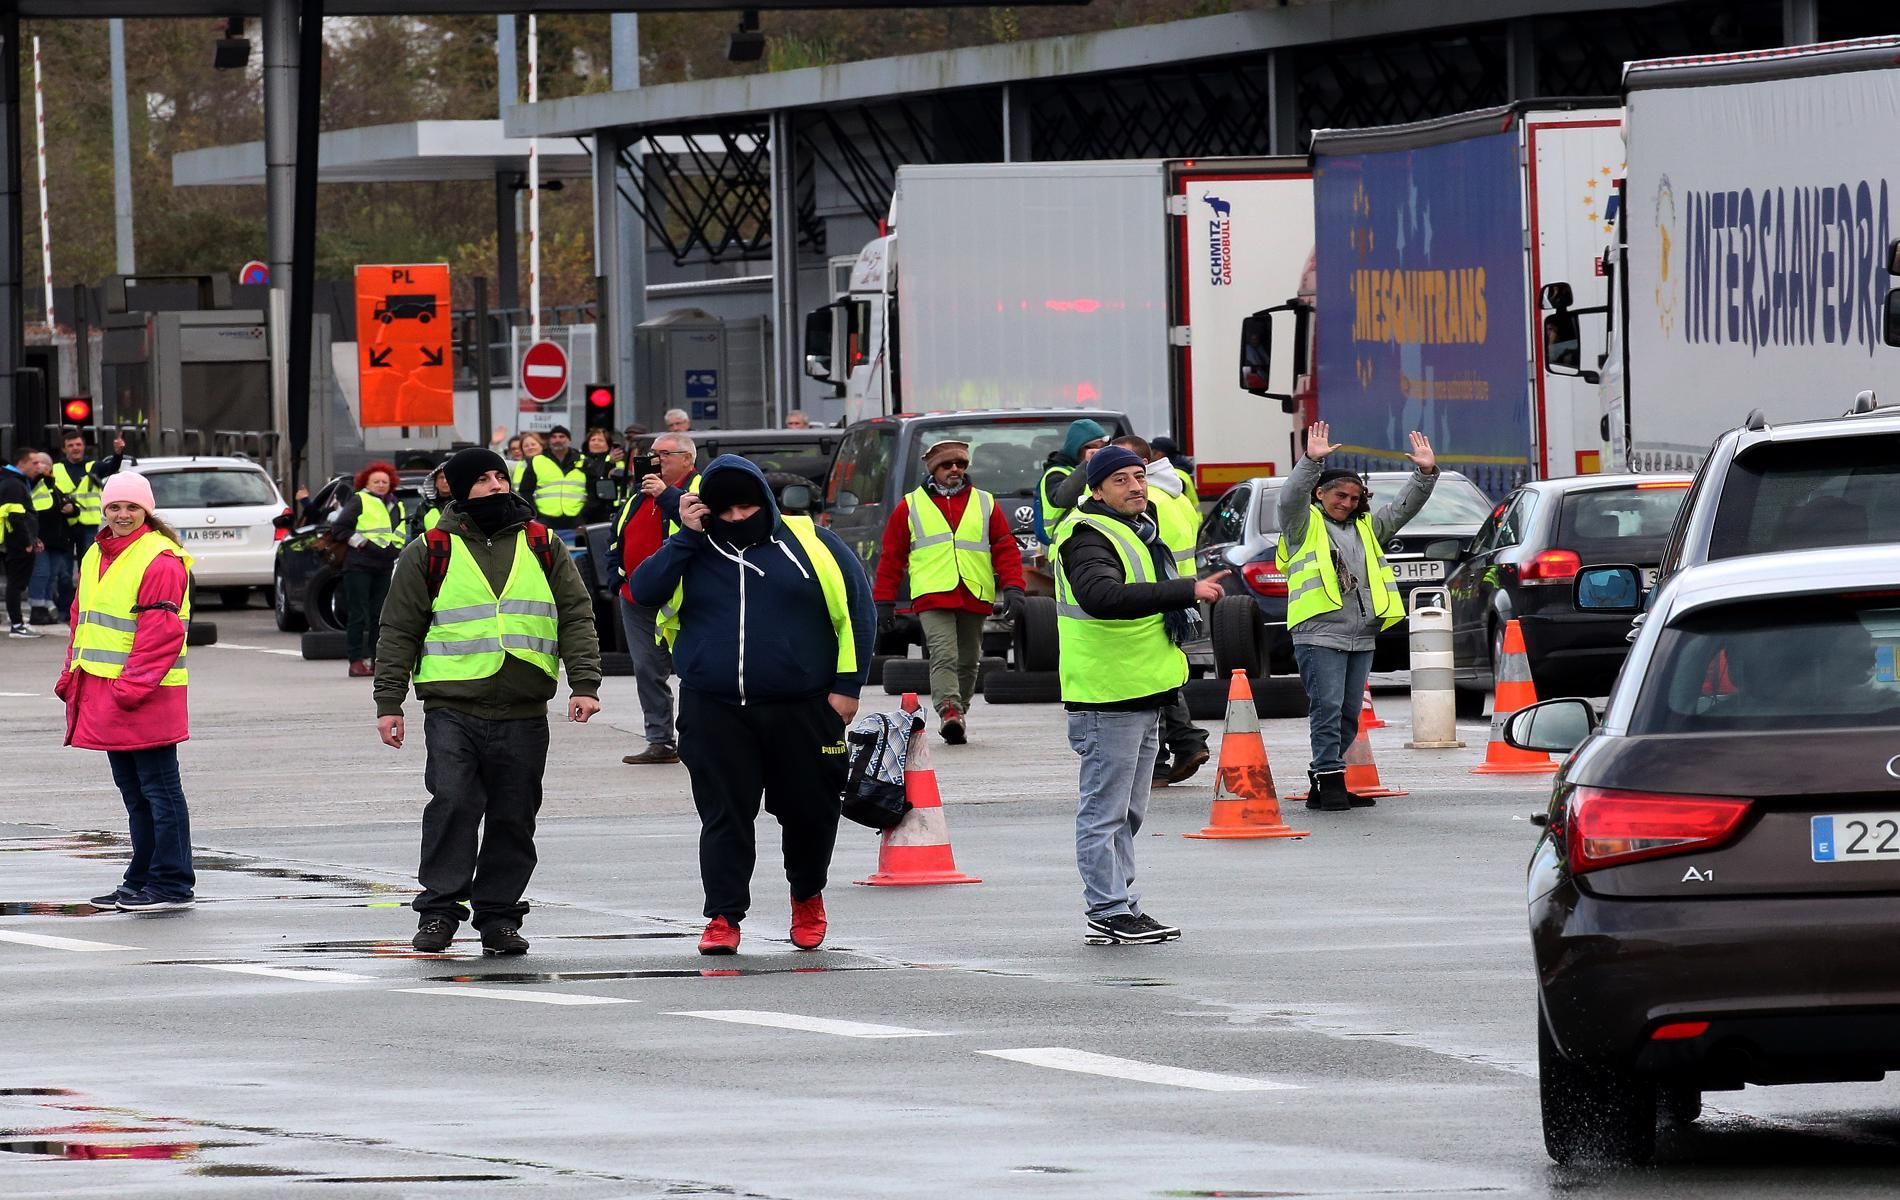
x=1061, y=1058
x=516, y=994
x=316, y=974
x=47, y=941
x=779, y=1020
x=257, y=649
x=20, y=695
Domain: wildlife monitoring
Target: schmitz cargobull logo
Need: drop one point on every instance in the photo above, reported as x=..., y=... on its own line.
x=1220, y=241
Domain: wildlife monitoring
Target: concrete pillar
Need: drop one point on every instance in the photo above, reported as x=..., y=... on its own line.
x=787, y=322
x=507, y=247
x=1800, y=22
x=121, y=153
x=507, y=74
x=12, y=335
x=1520, y=59
x=627, y=268
x=280, y=134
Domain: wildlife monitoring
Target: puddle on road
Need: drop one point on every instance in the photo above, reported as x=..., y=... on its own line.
x=106, y=1151
x=242, y=1171
x=614, y=937
x=36, y=1091
x=1045, y=1170
x=668, y=973
x=48, y=908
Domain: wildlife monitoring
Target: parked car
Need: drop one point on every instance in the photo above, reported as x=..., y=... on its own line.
x=1248, y=626
x=1711, y=902
x=304, y=589
x=225, y=509
x=880, y=461
x=1523, y=563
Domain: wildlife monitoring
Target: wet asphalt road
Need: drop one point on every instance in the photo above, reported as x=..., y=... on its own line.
x=1347, y=1015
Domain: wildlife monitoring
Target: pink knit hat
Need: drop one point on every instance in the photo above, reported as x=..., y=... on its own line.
x=128, y=485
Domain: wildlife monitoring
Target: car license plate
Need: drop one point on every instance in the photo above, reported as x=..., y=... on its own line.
x=1428, y=570
x=213, y=535
x=1855, y=837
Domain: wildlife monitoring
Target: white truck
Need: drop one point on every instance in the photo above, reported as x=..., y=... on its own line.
x=1752, y=251
x=1086, y=285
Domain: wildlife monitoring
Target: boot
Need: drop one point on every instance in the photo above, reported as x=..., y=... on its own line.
x=1330, y=787
x=1312, y=788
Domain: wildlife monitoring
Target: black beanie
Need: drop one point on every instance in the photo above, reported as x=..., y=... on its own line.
x=471, y=464
x=728, y=486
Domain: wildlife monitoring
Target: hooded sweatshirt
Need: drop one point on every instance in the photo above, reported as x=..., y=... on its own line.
x=520, y=689
x=753, y=621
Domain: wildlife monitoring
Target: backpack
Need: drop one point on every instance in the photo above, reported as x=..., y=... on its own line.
x=436, y=567
x=878, y=744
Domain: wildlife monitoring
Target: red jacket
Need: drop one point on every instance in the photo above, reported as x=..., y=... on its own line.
x=892, y=562
x=132, y=712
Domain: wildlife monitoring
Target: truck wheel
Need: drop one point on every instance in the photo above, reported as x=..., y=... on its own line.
x=1235, y=633
x=1023, y=687
x=1593, y=1114
x=201, y=633
x=320, y=645
x=1037, y=647
x=1682, y=1105
x=907, y=675
x=287, y=621
x=1279, y=699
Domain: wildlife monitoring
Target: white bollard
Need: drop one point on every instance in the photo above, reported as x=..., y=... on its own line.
x=1434, y=700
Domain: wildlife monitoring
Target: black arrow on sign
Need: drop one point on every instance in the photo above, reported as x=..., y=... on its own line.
x=431, y=358
x=379, y=358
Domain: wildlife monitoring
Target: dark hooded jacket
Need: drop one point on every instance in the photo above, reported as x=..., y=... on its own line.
x=753, y=622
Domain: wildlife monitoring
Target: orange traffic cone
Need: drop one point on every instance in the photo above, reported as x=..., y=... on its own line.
x=1245, y=804
x=1362, y=774
x=1367, y=718
x=917, y=849
x=1514, y=691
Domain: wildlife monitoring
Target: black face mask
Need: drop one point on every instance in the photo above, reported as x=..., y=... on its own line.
x=491, y=514
x=749, y=531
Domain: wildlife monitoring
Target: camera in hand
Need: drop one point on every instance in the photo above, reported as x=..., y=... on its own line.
x=645, y=465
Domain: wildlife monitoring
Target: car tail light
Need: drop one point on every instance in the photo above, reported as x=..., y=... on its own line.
x=1607, y=827
x=279, y=533
x=1552, y=566
x=1263, y=579
x=1679, y=1031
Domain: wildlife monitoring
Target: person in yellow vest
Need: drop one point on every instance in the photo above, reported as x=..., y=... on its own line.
x=1083, y=438
x=81, y=478
x=49, y=592
x=371, y=521
x=436, y=496
x=124, y=687
x=553, y=477
x=483, y=628
x=1340, y=594
x=774, y=637
x=649, y=516
x=963, y=563
x=1122, y=614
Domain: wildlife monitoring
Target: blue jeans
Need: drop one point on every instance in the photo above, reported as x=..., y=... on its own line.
x=52, y=583
x=1118, y=762
x=1335, y=682
x=161, y=827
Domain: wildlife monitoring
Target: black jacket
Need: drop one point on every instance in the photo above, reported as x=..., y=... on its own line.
x=23, y=528
x=1101, y=588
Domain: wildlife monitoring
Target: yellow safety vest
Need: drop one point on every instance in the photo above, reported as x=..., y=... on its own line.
x=1312, y=583
x=78, y=483
x=1053, y=517
x=1179, y=519
x=666, y=623
x=42, y=496
x=102, y=639
x=830, y=582
x=940, y=557
x=472, y=630
x=1102, y=660
x=557, y=493
x=431, y=517
x=377, y=523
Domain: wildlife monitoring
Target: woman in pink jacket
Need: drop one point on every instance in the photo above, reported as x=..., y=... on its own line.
x=124, y=687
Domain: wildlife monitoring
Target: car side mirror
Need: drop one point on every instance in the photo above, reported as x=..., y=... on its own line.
x=283, y=521
x=1617, y=589
x=1890, y=319
x=796, y=498
x=1553, y=726
x=1445, y=550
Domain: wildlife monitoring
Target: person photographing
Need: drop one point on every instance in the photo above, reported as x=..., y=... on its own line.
x=1340, y=594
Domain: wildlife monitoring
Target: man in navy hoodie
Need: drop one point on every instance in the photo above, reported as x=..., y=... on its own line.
x=774, y=632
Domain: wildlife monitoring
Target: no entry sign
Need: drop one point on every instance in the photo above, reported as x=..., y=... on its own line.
x=544, y=372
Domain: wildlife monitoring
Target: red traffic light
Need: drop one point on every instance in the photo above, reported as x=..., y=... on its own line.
x=600, y=397
x=78, y=410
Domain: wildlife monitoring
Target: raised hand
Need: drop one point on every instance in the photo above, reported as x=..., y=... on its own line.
x=1317, y=445
x=1421, y=453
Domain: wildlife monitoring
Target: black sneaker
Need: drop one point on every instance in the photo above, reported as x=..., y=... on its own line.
x=503, y=939
x=1121, y=929
x=110, y=899
x=143, y=901
x=1168, y=932
x=23, y=631
x=1330, y=789
x=433, y=935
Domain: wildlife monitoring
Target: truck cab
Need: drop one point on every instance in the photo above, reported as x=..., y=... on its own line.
x=851, y=343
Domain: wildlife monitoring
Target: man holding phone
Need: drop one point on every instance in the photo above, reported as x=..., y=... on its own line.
x=649, y=516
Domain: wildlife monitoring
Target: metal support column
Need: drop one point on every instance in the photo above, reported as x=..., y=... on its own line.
x=12, y=335
x=1283, y=127
x=303, y=241
x=121, y=152
x=507, y=247
x=1800, y=22
x=606, y=252
x=628, y=267
x=507, y=73
x=1520, y=59
x=280, y=133
x=1017, y=143
x=786, y=323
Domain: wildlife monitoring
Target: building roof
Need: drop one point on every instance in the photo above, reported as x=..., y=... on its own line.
x=418, y=151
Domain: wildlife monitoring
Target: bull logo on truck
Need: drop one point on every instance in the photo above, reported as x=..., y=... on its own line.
x=1220, y=241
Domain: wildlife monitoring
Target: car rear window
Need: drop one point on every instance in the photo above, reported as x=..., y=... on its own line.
x=1842, y=491
x=1800, y=662
x=210, y=487
x=1006, y=457
x=1621, y=524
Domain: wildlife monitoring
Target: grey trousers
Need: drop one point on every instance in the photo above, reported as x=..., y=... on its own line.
x=954, y=641
x=652, y=665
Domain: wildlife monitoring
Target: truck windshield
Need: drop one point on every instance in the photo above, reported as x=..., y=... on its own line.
x=1006, y=457
x=1837, y=491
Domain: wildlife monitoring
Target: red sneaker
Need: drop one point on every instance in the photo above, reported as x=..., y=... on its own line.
x=808, y=922
x=721, y=937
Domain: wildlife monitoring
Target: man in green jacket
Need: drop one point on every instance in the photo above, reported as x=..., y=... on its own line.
x=484, y=630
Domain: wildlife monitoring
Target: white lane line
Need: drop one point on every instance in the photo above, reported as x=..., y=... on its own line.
x=779, y=1020
x=525, y=997
x=257, y=649
x=308, y=974
x=1061, y=1058
x=19, y=695
x=49, y=942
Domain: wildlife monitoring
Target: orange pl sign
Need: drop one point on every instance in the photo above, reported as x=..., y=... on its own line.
x=402, y=345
